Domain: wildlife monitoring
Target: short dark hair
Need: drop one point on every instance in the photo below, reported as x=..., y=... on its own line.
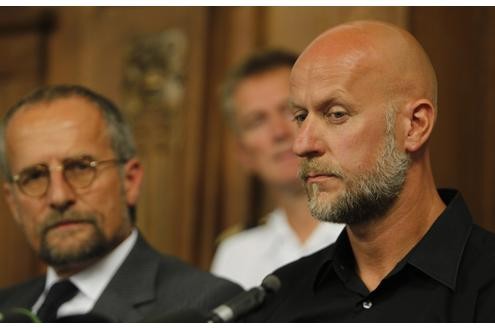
x=257, y=63
x=119, y=132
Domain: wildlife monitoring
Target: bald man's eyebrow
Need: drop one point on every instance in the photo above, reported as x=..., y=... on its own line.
x=293, y=106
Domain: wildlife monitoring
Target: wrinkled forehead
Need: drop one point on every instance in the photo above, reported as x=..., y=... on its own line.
x=331, y=63
x=349, y=60
x=56, y=119
x=319, y=74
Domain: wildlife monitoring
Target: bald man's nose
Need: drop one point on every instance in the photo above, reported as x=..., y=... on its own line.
x=307, y=141
x=61, y=195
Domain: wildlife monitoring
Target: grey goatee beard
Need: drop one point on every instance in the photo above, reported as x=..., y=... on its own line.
x=366, y=196
x=94, y=247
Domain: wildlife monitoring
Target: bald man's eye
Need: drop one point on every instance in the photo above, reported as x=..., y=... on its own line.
x=337, y=115
x=299, y=116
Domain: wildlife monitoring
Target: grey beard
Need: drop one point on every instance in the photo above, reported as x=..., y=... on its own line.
x=367, y=196
x=93, y=248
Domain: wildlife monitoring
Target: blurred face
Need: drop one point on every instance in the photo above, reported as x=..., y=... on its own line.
x=266, y=129
x=352, y=168
x=69, y=226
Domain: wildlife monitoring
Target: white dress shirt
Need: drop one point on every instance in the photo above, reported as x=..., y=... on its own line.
x=91, y=282
x=247, y=257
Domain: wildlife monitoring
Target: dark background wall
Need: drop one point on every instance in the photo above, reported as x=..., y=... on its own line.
x=163, y=66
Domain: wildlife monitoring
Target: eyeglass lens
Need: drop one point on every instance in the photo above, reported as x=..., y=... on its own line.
x=35, y=180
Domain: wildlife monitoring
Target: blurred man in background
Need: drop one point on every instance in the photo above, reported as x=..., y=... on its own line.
x=72, y=176
x=256, y=107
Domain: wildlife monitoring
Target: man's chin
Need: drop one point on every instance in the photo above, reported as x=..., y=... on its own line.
x=322, y=207
x=321, y=197
x=62, y=251
x=72, y=256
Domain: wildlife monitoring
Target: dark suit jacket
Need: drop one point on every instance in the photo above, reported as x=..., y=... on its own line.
x=147, y=284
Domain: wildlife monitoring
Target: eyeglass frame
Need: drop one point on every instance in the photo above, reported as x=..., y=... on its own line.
x=60, y=167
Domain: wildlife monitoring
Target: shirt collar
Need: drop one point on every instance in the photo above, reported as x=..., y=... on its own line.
x=338, y=254
x=93, y=280
x=438, y=254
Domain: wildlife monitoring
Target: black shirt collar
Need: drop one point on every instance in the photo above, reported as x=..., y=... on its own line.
x=438, y=253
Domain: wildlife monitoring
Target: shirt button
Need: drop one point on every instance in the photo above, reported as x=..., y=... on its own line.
x=367, y=305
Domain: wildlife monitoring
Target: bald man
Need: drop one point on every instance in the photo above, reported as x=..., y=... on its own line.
x=364, y=96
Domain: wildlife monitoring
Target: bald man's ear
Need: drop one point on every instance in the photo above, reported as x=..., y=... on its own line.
x=420, y=120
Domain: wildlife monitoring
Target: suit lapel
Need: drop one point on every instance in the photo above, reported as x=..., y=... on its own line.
x=126, y=297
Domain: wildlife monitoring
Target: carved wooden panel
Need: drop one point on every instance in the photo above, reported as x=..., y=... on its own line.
x=154, y=72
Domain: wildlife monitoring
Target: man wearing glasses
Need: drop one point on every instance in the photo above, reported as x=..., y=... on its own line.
x=72, y=176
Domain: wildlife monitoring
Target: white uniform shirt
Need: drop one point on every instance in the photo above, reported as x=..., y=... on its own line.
x=247, y=257
x=91, y=282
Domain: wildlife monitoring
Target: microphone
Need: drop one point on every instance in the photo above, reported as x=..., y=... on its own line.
x=246, y=301
x=18, y=315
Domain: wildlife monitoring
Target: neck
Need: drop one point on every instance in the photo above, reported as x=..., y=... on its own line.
x=380, y=244
x=295, y=205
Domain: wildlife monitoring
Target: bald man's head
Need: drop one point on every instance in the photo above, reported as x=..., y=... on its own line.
x=392, y=54
x=364, y=96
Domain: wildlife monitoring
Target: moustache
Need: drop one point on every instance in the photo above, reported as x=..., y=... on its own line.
x=55, y=218
x=311, y=166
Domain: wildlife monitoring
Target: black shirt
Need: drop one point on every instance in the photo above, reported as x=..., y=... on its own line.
x=448, y=276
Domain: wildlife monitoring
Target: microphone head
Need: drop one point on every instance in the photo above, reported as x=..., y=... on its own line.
x=271, y=283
